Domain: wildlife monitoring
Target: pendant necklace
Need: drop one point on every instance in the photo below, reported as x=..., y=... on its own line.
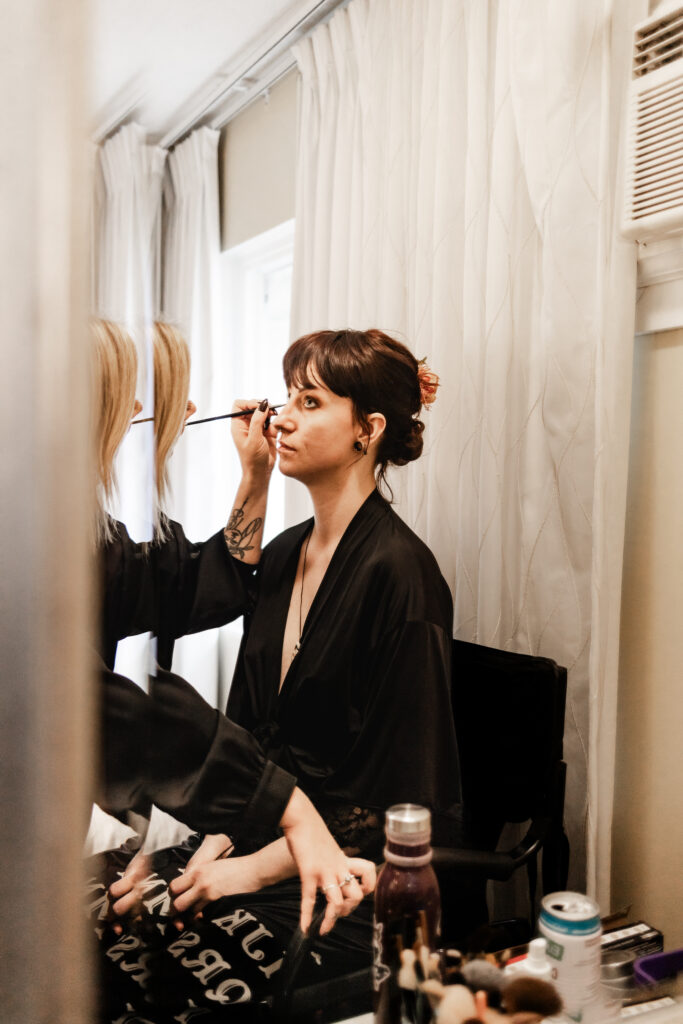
x=297, y=645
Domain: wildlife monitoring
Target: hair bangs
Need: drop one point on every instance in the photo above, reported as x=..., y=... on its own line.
x=318, y=358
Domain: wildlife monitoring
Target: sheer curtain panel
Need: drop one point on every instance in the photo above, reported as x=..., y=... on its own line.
x=125, y=281
x=126, y=263
x=457, y=187
x=191, y=300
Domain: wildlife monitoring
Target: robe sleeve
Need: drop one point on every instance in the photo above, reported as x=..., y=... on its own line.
x=209, y=772
x=170, y=588
x=199, y=586
x=404, y=748
x=122, y=783
x=128, y=591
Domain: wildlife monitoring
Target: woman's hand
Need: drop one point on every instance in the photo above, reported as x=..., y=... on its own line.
x=127, y=890
x=255, y=442
x=255, y=445
x=323, y=865
x=207, y=882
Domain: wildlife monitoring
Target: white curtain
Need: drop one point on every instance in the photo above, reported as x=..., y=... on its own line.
x=127, y=226
x=456, y=186
x=191, y=300
x=125, y=288
x=138, y=276
x=125, y=256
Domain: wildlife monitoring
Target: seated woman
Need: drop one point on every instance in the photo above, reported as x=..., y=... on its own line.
x=344, y=669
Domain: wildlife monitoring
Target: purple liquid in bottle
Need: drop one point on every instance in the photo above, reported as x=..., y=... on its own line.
x=407, y=904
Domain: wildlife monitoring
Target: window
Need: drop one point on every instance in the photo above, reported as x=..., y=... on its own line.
x=258, y=290
x=257, y=281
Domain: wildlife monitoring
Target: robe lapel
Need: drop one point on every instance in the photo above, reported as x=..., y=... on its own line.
x=339, y=572
x=285, y=575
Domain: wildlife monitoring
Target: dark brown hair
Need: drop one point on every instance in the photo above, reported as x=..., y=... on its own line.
x=378, y=374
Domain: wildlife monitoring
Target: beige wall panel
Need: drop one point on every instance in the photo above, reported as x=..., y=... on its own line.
x=648, y=813
x=258, y=165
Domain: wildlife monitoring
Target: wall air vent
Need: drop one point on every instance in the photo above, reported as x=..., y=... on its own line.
x=654, y=168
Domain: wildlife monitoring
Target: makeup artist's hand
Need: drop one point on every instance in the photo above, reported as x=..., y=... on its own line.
x=323, y=865
x=213, y=848
x=127, y=890
x=254, y=441
x=207, y=882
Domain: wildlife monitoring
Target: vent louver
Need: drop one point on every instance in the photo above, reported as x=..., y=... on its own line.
x=654, y=174
x=657, y=43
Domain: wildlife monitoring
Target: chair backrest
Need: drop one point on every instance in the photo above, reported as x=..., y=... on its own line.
x=509, y=720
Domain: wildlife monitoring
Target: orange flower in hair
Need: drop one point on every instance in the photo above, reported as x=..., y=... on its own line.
x=428, y=381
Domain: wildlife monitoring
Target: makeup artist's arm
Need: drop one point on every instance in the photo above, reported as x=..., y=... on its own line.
x=255, y=445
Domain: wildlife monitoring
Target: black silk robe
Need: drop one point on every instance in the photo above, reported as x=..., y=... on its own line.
x=363, y=719
x=174, y=749
x=170, y=589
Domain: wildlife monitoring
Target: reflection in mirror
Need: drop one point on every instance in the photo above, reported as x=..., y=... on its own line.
x=171, y=753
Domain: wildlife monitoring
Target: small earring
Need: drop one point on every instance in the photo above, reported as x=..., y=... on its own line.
x=357, y=446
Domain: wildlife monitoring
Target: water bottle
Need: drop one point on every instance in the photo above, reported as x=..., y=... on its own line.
x=407, y=904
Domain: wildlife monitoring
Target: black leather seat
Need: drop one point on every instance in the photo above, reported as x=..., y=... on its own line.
x=509, y=717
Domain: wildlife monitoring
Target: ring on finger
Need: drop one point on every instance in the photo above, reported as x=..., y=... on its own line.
x=332, y=885
x=346, y=879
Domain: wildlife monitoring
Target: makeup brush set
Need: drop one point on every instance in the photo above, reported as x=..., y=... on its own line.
x=447, y=988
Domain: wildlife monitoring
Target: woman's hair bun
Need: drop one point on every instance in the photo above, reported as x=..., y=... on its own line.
x=404, y=447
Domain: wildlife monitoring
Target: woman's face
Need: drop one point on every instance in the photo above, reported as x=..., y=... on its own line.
x=317, y=432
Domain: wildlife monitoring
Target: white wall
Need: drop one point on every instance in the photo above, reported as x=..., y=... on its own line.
x=647, y=859
x=258, y=165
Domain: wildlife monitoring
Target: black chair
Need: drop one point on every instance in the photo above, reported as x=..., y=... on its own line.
x=509, y=715
x=508, y=710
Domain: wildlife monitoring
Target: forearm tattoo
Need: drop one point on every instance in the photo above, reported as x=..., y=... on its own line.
x=238, y=536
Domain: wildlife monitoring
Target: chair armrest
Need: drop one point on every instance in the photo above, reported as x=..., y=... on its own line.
x=496, y=864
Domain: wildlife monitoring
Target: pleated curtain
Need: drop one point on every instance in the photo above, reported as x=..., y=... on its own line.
x=200, y=487
x=125, y=255
x=155, y=253
x=126, y=238
x=457, y=186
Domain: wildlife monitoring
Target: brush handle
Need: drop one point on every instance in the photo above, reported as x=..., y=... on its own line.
x=210, y=419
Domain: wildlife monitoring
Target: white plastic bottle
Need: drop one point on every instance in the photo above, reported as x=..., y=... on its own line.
x=534, y=965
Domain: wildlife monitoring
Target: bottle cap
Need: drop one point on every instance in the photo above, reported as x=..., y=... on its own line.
x=409, y=824
x=537, y=953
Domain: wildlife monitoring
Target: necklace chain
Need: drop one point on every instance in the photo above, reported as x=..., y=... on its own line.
x=297, y=645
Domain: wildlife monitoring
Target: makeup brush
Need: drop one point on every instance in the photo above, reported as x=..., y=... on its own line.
x=480, y=975
x=531, y=996
x=223, y=416
x=233, y=415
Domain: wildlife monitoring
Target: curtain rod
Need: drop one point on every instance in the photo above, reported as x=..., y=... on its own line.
x=275, y=61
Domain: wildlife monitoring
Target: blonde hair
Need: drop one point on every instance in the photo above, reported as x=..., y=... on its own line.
x=171, y=392
x=115, y=371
